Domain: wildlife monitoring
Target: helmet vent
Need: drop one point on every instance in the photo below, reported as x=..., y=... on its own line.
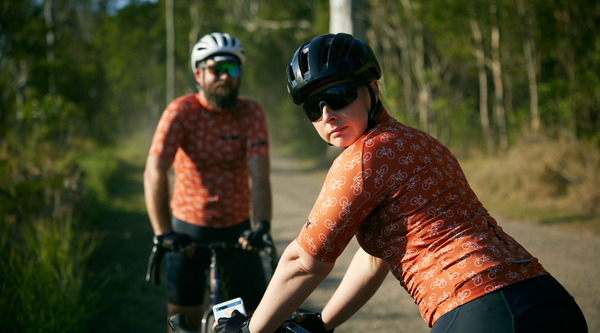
x=290, y=73
x=304, y=63
x=345, y=53
x=324, y=57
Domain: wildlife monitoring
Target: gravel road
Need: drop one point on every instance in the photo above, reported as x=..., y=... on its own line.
x=572, y=258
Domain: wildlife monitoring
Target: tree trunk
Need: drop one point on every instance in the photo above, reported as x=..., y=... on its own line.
x=527, y=27
x=497, y=73
x=508, y=98
x=196, y=19
x=568, y=59
x=483, y=109
x=170, y=51
x=398, y=36
x=21, y=73
x=416, y=51
x=49, y=19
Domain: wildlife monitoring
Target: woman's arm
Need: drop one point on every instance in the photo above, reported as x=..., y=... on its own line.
x=362, y=279
x=297, y=275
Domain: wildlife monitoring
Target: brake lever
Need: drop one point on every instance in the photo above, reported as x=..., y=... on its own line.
x=153, y=269
x=270, y=250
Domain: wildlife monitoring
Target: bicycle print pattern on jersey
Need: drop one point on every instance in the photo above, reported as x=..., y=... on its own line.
x=405, y=197
x=209, y=151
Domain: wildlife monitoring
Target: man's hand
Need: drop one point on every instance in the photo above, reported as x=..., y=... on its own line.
x=237, y=323
x=177, y=242
x=255, y=239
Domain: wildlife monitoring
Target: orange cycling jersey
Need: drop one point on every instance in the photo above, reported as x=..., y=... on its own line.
x=209, y=151
x=405, y=197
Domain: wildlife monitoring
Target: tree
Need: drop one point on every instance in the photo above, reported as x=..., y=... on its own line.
x=497, y=74
x=170, y=50
x=527, y=27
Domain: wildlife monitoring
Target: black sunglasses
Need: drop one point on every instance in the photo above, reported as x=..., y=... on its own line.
x=335, y=98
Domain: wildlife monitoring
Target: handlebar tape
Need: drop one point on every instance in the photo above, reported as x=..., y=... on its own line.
x=180, y=324
x=153, y=270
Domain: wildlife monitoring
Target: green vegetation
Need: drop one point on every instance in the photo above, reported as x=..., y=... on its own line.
x=82, y=86
x=46, y=236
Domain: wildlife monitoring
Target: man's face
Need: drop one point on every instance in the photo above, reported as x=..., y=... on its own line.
x=219, y=88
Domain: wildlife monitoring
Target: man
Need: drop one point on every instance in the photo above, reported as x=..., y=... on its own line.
x=218, y=145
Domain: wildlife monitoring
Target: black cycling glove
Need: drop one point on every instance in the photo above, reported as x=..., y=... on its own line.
x=310, y=321
x=174, y=241
x=237, y=323
x=255, y=237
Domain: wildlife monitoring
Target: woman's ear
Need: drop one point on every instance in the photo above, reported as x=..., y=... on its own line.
x=375, y=86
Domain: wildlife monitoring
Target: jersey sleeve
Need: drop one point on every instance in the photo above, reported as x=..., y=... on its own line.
x=341, y=207
x=169, y=133
x=257, y=139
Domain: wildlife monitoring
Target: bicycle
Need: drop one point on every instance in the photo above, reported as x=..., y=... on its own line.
x=217, y=292
x=179, y=324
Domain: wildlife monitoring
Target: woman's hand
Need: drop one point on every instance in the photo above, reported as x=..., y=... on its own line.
x=237, y=323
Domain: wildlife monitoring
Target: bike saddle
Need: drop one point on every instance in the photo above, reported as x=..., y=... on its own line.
x=179, y=324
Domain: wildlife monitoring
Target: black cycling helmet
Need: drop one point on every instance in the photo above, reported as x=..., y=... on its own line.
x=327, y=58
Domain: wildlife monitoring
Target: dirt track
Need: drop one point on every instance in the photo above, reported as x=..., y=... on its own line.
x=572, y=258
x=128, y=304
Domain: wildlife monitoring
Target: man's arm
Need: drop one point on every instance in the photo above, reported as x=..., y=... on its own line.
x=362, y=279
x=261, y=202
x=156, y=191
x=260, y=170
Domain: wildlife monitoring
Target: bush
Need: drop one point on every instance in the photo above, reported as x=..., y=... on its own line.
x=45, y=241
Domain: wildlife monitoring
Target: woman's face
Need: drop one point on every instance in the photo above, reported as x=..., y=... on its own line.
x=342, y=127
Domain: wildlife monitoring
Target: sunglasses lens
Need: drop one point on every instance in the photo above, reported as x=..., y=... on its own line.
x=335, y=97
x=313, y=110
x=233, y=70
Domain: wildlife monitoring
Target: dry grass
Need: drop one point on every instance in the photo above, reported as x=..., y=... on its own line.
x=546, y=181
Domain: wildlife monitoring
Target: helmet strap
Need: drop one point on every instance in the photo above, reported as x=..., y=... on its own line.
x=376, y=107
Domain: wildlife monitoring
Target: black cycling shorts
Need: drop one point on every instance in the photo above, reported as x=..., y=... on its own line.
x=539, y=304
x=186, y=276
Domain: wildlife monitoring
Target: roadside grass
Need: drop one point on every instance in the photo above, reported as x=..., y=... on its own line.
x=551, y=182
x=45, y=284
x=45, y=235
x=127, y=302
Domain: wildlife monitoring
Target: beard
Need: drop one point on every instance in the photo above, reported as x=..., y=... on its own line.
x=222, y=95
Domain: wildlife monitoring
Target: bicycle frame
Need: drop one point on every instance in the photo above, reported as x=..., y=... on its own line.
x=215, y=270
x=215, y=284
x=215, y=279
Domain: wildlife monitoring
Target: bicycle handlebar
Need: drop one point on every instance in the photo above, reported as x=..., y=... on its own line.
x=158, y=252
x=179, y=324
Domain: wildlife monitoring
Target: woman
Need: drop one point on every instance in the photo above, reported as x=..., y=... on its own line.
x=405, y=197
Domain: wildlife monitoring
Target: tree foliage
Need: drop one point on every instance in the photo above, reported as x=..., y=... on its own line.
x=78, y=74
x=111, y=62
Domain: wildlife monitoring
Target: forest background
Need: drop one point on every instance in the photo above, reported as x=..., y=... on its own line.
x=512, y=87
